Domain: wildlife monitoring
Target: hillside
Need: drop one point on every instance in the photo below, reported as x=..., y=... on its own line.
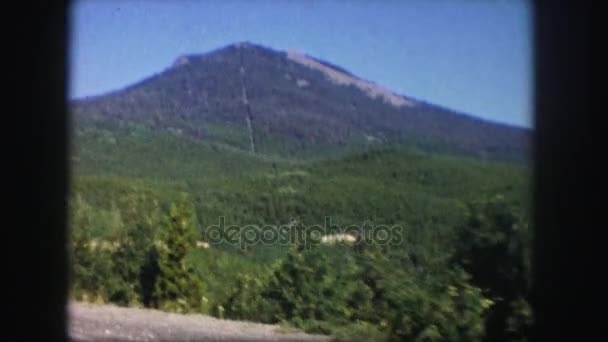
x=292, y=105
x=132, y=173
x=250, y=140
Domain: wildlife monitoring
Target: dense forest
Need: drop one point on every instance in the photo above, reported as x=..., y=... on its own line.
x=149, y=211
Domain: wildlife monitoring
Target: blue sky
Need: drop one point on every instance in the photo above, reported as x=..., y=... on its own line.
x=471, y=56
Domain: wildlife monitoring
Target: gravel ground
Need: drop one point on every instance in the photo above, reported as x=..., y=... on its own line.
x=93, y=322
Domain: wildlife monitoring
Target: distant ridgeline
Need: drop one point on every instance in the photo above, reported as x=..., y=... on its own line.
x=291, y=105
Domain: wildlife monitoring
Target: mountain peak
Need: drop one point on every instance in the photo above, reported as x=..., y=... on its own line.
x=262, y=95
x=244, y=44
x=189, y=58
x=181, y=60
x=332, y=72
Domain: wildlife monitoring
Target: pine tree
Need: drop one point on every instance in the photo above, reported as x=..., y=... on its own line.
x=177, y=287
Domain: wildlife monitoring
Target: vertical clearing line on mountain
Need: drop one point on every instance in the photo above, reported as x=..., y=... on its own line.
x=248, y=117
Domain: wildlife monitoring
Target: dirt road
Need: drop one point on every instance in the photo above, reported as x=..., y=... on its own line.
x=92, y=322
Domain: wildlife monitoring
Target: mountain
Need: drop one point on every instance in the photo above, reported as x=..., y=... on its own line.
x=249, y=140
x=289, y=104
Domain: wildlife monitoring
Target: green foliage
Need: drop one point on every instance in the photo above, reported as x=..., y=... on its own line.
x=411, y=306
x=177, y=288
x=129, y=259
x=494, y=247
x=223, y=269
x=452, y=312
x=247, y=302
x=454, y=274
x=520, y=319
x=359, y=331
x=134, y=246
x=91, y=270
x=314, y=285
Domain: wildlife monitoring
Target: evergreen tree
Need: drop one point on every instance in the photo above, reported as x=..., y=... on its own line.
x=177, y=287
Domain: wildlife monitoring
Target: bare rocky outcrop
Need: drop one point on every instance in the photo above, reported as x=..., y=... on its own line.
x=371, y=89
